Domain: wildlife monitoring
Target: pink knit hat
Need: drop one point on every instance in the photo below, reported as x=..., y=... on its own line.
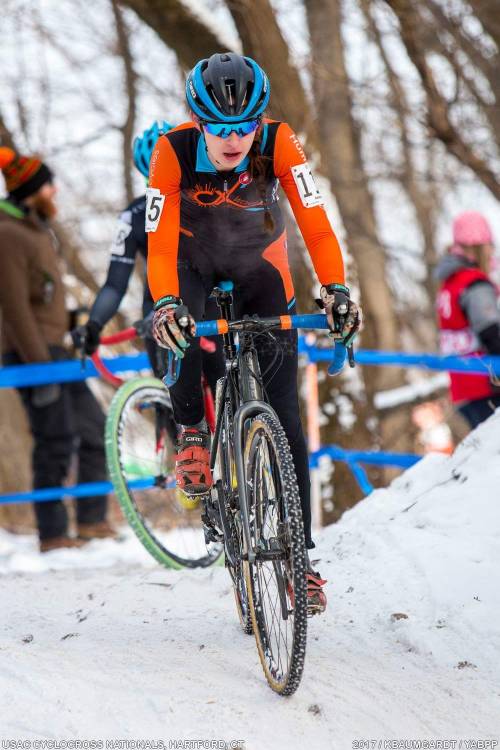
x=471, y=228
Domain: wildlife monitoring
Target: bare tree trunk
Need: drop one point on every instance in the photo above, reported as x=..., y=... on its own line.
x=180, y=29
x=128, y=126
x=15, y=464
x=262, y=39
x=6, y=138
x=342, y=155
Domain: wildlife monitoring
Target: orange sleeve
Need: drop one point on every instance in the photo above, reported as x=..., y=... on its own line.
x=313, y=222
x=163, y=240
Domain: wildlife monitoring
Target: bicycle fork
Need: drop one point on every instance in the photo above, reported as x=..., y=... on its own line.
x=246, y=411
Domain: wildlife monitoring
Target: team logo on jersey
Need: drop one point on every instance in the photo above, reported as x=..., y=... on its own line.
x=245, y=179
x=209, y=196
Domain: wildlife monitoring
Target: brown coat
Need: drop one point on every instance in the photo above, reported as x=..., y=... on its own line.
x=31, y=288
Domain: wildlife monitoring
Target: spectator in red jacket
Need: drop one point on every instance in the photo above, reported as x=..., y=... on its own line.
x=468, y=312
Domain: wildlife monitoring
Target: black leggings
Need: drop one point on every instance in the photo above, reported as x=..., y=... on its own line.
x=261, y=293
x=74, y=423
x=477, y=411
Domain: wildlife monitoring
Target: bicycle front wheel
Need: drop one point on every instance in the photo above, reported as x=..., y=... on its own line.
x=140, y=455
x=276, y=581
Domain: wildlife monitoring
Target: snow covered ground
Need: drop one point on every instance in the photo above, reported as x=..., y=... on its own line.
x=101, y=643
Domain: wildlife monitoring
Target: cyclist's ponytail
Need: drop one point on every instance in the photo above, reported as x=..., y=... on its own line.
x=258, y=172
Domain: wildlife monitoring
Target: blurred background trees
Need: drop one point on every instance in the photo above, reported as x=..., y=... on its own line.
x=396, y=101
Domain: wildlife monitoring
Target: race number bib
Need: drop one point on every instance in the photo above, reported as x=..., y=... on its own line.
x=122, y=231
x=154, y=207
x=309, y=193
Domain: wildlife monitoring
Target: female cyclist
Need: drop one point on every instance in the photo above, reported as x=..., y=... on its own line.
x=212, y=213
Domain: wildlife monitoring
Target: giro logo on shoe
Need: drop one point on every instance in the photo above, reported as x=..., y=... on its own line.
x=193, y=439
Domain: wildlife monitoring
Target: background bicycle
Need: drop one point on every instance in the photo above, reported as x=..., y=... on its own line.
x=140, y=454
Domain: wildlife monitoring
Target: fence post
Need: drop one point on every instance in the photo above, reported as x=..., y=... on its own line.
x=313, y=435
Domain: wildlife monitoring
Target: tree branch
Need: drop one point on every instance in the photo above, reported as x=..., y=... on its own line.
x=437, y=106
x=423, y=200
x=180, y=29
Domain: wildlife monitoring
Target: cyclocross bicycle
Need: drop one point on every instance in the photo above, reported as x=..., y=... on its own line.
x=253, y=509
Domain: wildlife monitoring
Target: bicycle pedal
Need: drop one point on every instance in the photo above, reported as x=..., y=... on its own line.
x=315, y=608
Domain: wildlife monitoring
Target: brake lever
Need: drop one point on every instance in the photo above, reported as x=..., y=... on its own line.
x=182, y=317
x=141, y=327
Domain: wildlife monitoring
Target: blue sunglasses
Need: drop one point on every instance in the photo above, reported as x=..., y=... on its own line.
x=224, y=129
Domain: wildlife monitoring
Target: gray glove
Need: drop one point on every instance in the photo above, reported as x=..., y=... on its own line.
x=343, y=315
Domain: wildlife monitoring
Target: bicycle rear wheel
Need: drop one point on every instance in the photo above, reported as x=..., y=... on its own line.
x=140, y=455
x=276, y=581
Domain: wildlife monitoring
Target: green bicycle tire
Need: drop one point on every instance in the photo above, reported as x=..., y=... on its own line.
x=129, y=509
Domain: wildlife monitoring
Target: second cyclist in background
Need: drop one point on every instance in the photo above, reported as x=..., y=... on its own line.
x=129, y=243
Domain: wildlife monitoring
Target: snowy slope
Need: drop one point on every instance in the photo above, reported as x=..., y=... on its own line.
x=101, y=643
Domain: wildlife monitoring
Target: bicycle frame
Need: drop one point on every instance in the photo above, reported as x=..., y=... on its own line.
x=250, y=401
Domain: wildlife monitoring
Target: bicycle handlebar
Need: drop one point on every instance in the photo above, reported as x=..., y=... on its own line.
x=254, y=324
x=282, y=322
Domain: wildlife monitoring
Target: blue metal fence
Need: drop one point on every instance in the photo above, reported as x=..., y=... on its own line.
x=21, y=376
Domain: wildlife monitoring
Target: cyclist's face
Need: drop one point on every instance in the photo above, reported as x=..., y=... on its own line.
x=227, y=153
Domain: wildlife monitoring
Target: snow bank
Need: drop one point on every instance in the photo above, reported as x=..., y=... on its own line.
x=408, y=649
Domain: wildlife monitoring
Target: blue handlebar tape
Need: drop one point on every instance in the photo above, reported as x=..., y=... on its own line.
x=207, y=328
x=314, y=321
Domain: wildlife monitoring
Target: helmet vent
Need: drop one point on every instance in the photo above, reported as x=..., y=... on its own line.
x=213, y=95
x=230, y=93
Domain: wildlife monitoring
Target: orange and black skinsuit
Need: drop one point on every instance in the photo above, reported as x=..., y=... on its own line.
x=211, y=227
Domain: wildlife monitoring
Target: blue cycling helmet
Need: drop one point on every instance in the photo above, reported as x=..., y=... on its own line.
x=227, y=87
x=144, y=144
